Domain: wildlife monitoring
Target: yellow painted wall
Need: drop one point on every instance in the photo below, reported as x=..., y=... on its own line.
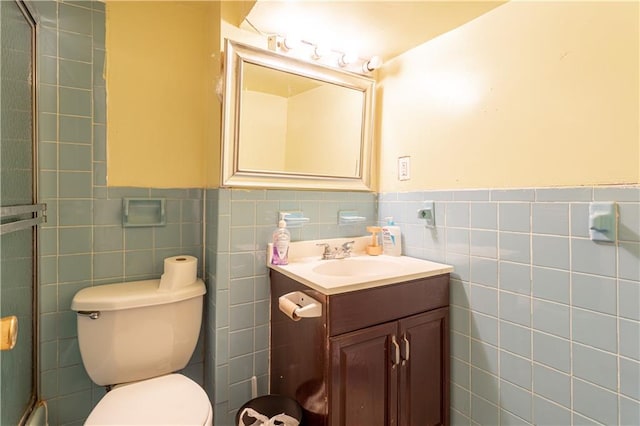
x=234, y=33
x=263, y=131
x=529, y=94
x=324, y=131
x=163, y=117
x=213, y=78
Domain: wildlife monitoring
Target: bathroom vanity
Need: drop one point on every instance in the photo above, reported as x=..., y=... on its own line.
x=376, y=355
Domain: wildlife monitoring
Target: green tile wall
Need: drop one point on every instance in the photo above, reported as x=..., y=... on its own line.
x=239, y=225
x=83, y=243
x=544, y=321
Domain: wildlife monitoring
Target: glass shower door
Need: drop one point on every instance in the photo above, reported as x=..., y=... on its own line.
x=19, y=214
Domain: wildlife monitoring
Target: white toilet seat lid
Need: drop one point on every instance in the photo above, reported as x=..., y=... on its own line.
x=168, y=400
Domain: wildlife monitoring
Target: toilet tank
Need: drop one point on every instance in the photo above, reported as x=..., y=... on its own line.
x=133, y=331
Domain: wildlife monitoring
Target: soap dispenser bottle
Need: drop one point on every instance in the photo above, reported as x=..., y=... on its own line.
x=281, y=238
x=391, y=238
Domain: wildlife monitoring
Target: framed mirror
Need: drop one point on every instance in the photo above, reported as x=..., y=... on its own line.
x=288, y=123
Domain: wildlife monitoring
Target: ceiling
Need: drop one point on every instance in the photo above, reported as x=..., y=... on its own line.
x=382, y=28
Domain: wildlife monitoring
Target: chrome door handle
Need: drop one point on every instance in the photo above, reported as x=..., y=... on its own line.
x=396, y=351
x=405, y=345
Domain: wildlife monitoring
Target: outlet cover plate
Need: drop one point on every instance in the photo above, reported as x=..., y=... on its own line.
x=404, y=168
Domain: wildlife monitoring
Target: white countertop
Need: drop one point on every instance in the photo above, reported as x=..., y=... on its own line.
x=362, y=271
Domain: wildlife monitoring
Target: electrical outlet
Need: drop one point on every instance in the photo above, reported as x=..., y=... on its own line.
x=404, y=168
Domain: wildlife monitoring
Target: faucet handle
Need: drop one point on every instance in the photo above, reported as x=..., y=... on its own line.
x=327, y=247
x=327, y=251
x=348, y=246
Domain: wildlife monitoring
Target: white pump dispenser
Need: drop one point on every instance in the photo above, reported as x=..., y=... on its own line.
x=391, y=238
x=281, y=238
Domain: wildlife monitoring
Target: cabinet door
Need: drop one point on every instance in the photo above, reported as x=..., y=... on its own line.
x=364, y=377
x=424, y=371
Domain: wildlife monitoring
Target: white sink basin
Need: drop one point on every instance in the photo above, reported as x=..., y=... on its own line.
x=357, y=266
x=357, y=272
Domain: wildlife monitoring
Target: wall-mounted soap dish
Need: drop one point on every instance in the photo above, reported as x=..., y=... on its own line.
x=428, y=213
x=294, y=219
x=143, y=212
x=349, y=217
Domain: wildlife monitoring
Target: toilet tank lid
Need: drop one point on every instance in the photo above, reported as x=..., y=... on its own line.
x=133, y=294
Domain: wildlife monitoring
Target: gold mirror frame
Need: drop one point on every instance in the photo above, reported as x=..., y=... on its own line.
x=236, y=56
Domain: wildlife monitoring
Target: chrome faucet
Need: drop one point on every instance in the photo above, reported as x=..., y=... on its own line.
x=347, y=247
x=338, y=252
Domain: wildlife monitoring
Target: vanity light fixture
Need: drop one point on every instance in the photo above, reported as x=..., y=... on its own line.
x=320, y=52
x=372, y=64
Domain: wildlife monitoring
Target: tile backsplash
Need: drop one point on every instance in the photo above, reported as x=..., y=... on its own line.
x=239, y=225
x=97, y=251
x=544, y=321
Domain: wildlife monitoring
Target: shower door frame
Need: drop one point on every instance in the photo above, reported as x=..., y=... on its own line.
x=36, y=217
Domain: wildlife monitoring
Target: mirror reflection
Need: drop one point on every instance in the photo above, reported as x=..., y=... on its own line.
x=288, y=123
x=294, y=124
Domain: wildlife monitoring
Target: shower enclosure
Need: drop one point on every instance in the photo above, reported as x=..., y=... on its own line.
x=19, y=215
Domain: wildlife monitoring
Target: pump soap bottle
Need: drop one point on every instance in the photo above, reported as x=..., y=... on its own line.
x=391, y=238
x=281, y=238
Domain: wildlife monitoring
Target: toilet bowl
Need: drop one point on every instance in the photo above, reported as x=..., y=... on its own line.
x=168, y=400
x=133, y=338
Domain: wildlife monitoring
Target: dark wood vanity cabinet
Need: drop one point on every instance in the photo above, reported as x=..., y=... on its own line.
x=391, y=374
x=377, y=356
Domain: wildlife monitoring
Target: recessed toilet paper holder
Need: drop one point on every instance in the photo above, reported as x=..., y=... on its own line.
x=298, y=305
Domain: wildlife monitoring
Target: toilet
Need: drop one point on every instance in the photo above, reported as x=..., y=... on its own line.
x=133, y=337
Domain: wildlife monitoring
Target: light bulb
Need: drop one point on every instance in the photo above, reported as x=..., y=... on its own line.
x=347, y=58
x=373, y=63
x=319, y=52
x=290, y=43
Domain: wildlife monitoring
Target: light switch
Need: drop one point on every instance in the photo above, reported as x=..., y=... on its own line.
x=404, y=168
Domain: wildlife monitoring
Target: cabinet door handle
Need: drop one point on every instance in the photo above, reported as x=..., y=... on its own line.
x=396, y=351
x=405, y=342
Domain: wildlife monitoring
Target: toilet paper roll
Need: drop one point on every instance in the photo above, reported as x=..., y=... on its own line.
x=288, y=308
x=179, y=271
